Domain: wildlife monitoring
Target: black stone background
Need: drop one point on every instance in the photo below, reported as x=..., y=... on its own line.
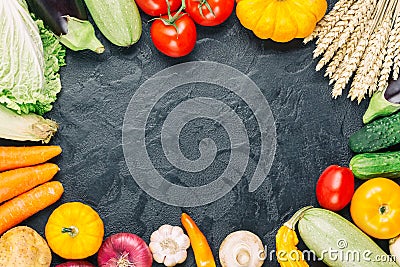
x=312, y=133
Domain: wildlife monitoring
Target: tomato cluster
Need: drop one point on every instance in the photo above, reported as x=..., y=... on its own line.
x=173, y=32
x=374, y=206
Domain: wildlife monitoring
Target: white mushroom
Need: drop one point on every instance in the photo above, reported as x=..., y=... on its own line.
x=394, y=247
x=241, y=249
x=169, y=245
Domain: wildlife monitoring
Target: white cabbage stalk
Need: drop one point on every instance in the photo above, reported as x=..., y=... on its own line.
x=21, y=52
x=25, y=127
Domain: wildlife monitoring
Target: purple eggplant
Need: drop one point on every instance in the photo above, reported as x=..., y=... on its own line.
x=392, y=92
x=384, y=103
x=68, y=19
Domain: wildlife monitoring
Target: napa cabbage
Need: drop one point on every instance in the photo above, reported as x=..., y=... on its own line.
x=30, y=59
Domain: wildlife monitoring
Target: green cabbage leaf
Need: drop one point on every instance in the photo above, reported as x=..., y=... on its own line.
x=31, y=57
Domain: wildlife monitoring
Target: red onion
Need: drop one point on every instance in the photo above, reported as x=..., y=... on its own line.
x=75, y=264
x=124, y=250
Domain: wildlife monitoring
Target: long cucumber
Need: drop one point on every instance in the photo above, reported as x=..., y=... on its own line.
x=118, y=20
x=338, y=242
x=372, y=165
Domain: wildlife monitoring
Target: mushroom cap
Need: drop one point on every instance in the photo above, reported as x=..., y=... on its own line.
x=241, y=249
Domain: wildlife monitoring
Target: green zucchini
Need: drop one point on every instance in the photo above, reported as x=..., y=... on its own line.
x=372, y=165
x=379, y=134
x=118, y=20
x=338, y=242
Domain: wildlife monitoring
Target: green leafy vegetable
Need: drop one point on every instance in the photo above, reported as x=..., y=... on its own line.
x=30, y=60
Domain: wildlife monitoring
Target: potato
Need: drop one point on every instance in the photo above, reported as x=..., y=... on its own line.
x=23, y=247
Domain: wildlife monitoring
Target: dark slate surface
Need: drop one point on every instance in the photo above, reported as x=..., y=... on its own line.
x=312, y=133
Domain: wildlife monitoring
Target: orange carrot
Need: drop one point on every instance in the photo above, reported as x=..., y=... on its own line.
x=23, y=206
x=18, y=181
x=12, y=157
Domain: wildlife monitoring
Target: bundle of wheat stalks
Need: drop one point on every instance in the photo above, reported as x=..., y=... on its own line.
x=359, y=39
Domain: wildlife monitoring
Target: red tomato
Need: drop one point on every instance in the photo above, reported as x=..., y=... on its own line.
x=171, y=41
x=199, y=10
x=335, y=187
x=157, y=8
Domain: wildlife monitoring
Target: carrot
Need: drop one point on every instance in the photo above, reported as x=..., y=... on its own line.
x=18, y=181
x=12, y=157
x=23, y=206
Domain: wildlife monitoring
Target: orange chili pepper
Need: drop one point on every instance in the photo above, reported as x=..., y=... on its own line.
x=201, y=249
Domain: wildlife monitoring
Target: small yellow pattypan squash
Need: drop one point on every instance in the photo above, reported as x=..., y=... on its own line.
x=281, y=20
x=74, y=231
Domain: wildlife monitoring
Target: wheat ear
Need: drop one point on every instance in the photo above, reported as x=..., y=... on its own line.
x=364, y=81
x=353, y=17
x=329, y=20
x=394, y=40
x=351, y=64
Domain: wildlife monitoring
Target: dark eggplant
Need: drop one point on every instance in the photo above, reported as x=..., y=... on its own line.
x=68, y=19
x=392, y=92
x=384, y=103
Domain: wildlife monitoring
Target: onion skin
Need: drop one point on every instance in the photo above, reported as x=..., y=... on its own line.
x=124, y=249
x=75, y=264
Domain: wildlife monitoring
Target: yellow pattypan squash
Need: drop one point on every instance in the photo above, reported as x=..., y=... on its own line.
x=74, y=231
x=281, y=20
x=287, y=253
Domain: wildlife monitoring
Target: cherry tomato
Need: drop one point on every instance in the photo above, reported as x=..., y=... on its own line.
x=375, y=208
x=157, y=8
x=174, y=41
x=209, y=12
x=335, y=187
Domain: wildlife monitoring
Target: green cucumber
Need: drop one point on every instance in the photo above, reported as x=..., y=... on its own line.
x=338, y=242
x=379, y=134
x=372, y=165
x=118, y=20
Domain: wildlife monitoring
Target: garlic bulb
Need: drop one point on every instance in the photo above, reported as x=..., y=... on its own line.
x=241, y=249
x=169, y=245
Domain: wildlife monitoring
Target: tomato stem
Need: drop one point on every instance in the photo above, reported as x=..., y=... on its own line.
x=200, y=7
x=383, y=209
x=169, y=10
x=73, y=231
x=172, y=19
